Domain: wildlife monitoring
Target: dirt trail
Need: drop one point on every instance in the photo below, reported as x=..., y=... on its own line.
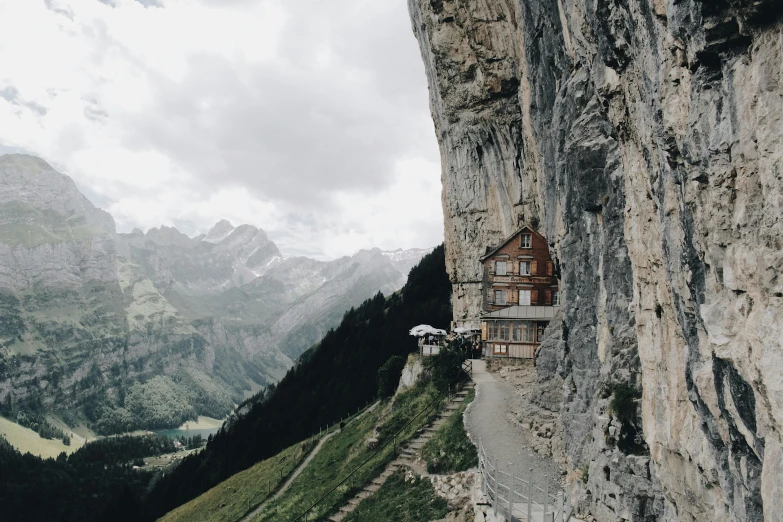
x=300, y=469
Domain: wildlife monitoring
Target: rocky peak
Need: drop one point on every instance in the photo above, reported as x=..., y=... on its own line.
x=50, y=234
x=219, y=232
x=167, y=236
x=29, y=182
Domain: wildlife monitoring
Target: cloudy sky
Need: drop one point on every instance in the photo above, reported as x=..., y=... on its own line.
x=307, y=118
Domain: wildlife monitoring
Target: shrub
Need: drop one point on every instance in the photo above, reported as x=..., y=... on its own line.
x=623, y=406
x=446, y=368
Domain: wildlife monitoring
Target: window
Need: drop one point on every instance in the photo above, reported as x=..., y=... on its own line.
x=499, y=348
x=500, y=297
x=528, y=332
x=517, y=331
x=524, y=268
x=526, y=241
x=524, y=297
x=500, y=268
x=504, y=330
x=493, y=330
x=555, y=298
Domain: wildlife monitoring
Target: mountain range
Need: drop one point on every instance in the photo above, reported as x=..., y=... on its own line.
x=146, y=330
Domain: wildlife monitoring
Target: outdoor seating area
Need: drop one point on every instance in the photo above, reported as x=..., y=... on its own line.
x=432, y=340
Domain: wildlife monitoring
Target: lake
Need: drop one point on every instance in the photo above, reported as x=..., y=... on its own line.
x=177, y=433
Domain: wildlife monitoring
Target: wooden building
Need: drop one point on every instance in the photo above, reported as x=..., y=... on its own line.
x=520, y=295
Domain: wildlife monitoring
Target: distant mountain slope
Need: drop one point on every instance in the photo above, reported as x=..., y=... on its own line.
x=330, y=381
x=90, y=318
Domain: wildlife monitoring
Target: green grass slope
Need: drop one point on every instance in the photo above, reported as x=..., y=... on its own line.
x=344, y=452
x=232, y=499
x=450, y=450
x=401, y=501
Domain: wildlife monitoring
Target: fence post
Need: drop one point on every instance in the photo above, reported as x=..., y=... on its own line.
x=546, y=497
x=495, y=504
x=560, y=506
x=510, y=491
x=529, y=492
x=567, y=510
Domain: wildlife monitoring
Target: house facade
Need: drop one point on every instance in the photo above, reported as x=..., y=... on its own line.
x=520, y=295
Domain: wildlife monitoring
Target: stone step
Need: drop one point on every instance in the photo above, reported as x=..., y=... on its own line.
x=378, y=481
x=363, y=494
x=355, y=500
x=347, y=508
x=372, y=488
x=337, y=517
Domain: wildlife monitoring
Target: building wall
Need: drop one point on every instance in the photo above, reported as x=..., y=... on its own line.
x=542, y=280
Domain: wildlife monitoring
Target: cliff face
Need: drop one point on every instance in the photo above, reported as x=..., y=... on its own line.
x=643, y=139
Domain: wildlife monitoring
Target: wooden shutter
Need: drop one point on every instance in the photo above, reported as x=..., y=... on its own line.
x=533, y=267
x=492, y=267
x=548, y=297
x=515, y=267
x=483, y=331
x=550, y=268
x=534, y=296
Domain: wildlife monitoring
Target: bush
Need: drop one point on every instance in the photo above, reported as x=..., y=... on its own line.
x=389, y=375
x=623, y=406
x=446, y=368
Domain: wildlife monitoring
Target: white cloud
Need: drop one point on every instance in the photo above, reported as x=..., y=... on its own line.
x=308, y=118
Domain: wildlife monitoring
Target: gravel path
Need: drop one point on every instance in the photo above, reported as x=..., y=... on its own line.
x=488, y=422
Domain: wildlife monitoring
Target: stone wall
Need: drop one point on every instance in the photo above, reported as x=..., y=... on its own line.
x=642, y=138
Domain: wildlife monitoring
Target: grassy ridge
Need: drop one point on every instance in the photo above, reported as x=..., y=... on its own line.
x=232, y=499
x=345, y=451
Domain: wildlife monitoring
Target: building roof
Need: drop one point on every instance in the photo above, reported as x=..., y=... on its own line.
x=523, y=312
x=491, y=251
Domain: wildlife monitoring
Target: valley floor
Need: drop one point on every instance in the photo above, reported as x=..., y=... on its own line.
x=28, y=441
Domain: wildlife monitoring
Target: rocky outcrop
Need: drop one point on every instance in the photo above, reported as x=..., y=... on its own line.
x=643, y=139
x=50, y=234
x=411, y=372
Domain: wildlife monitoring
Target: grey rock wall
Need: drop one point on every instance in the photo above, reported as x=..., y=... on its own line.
x=643, y=139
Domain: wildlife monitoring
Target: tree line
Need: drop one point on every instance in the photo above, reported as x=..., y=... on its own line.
x=96, y=482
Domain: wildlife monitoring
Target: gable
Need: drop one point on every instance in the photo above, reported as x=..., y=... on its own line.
x=515, y=235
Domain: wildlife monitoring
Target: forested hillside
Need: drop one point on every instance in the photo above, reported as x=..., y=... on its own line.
x=97, y=482
x=330, y=381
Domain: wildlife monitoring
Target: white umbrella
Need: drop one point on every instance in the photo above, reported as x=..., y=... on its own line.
x=425, y=329
x=421, y=330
